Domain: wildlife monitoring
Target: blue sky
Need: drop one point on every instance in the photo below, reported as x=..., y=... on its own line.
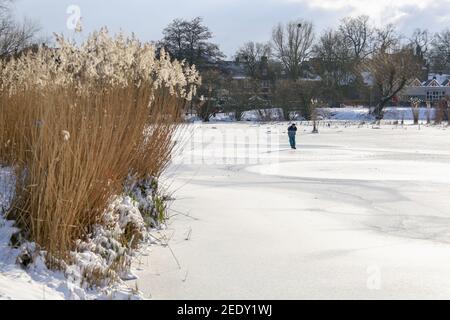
x=232, y=22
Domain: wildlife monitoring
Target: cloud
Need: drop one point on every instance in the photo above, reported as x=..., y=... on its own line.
x=234, y=22
x=368, y=7
x=383, y=11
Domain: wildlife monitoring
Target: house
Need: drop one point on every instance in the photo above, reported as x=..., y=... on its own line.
x=432, y=90
x=261, y=86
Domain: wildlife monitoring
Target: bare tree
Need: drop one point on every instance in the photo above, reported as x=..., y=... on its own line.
x=442, y=110
x=419, y=42
x=440, y=53
x=333, y=62
x=208, y=93
x=252, y=54
x=4, y=6
x=358, y=34
x=415, y=109
x=15, y=36
x=294, y=96
x=315, y=115
x=190, y=41
x=174, y=37
x=237, y=98
x=293, y=45
x=385, y=39
x=391, y=72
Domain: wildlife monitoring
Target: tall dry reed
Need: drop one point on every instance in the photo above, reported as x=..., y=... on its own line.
x=80, y=125
x=73, y=153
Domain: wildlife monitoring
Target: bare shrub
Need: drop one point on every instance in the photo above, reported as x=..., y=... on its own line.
x=415, y=109
x=439, y=115
x=441, y=111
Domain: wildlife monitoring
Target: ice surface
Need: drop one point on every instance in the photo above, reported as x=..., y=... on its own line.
x=355, y=212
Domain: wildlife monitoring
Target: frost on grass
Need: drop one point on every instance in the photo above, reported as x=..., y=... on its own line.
x=100, y=264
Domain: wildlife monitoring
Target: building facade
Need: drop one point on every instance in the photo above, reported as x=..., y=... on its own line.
x=432, y=90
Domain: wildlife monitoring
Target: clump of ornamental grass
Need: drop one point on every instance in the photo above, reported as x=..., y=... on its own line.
x=77, y=122
x=101, y=61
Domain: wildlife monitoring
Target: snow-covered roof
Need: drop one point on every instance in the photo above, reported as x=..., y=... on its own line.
x=416, y=83
x=440, y=77
x=431, y=83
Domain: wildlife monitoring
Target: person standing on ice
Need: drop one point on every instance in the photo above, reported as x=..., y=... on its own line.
x=292, y=132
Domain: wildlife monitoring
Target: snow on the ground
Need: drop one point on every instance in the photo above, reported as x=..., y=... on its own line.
x=222, y=117
x=363, y=114
x=357, y=211
x=15, y=283
x=37, y=282
x=343, y=114
x=273, y=114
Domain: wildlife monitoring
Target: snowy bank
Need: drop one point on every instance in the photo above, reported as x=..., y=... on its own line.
x=334, y=114
x=363, y=114
x=274, y=114
x=122, y=235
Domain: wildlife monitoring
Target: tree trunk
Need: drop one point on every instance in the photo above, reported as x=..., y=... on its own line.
x=416, y=112
x=378, y=112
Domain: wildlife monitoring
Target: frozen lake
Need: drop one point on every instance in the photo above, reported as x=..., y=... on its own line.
x=354, y=212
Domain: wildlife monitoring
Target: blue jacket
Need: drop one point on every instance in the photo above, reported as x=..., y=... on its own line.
x=292, y=131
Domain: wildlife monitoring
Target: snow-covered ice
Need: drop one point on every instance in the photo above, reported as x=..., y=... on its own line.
x=355, y=212
x=358, y=211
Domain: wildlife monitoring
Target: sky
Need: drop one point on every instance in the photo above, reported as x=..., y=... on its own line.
x=233, y=22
